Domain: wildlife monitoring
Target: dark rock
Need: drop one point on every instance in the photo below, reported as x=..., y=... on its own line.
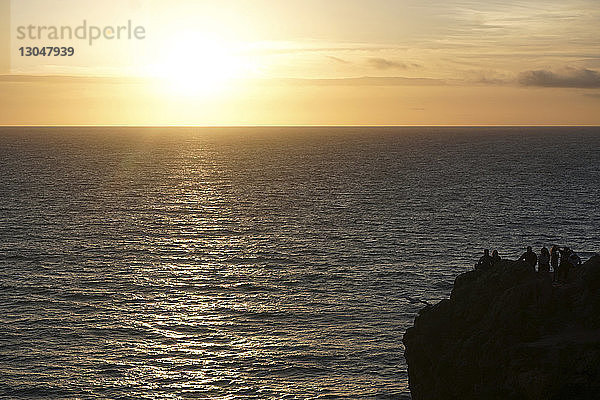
x=509, y=333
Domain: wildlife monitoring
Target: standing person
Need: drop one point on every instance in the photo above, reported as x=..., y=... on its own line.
x=574, y=259
x=544, y=261
x=529, y=257
x=485, y=262
x=554, y=261
x=565, y=265
x=495, y=257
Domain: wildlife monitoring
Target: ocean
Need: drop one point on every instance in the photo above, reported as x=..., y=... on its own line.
x=260, y=263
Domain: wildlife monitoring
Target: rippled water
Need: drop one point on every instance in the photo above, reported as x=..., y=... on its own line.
x=259, y=263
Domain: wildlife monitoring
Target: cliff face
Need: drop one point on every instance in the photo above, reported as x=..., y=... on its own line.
x=508, y=333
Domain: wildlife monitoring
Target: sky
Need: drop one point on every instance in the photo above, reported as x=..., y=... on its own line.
x=335, y=62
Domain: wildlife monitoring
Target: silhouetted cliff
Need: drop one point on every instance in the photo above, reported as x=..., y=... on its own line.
x=508, y=333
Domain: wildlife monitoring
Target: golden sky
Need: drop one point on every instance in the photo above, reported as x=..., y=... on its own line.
x=335, y=62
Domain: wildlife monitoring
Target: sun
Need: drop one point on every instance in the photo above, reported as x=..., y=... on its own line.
x=198, y=65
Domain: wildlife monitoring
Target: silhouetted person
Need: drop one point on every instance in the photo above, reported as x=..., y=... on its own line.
x=495, y=257
x=544, y=261
x=565, y=265
x=554, y=255
x=574, y=259
x=529, y=257
x=485, y=262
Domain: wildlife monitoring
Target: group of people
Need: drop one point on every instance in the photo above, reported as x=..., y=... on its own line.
x=561, y=259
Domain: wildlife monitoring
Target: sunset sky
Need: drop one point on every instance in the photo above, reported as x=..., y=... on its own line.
x=335, y=62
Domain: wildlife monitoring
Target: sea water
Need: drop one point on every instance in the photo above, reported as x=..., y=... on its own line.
x=241, y=263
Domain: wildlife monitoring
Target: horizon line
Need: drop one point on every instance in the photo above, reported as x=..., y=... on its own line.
x=303, y=126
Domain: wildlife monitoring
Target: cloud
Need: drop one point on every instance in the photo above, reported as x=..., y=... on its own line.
x=366, y=81
x=61, y=79
x=569, y=78
x=484, y=77
x=339, y=60
x=329, y=49
x=385, y=63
